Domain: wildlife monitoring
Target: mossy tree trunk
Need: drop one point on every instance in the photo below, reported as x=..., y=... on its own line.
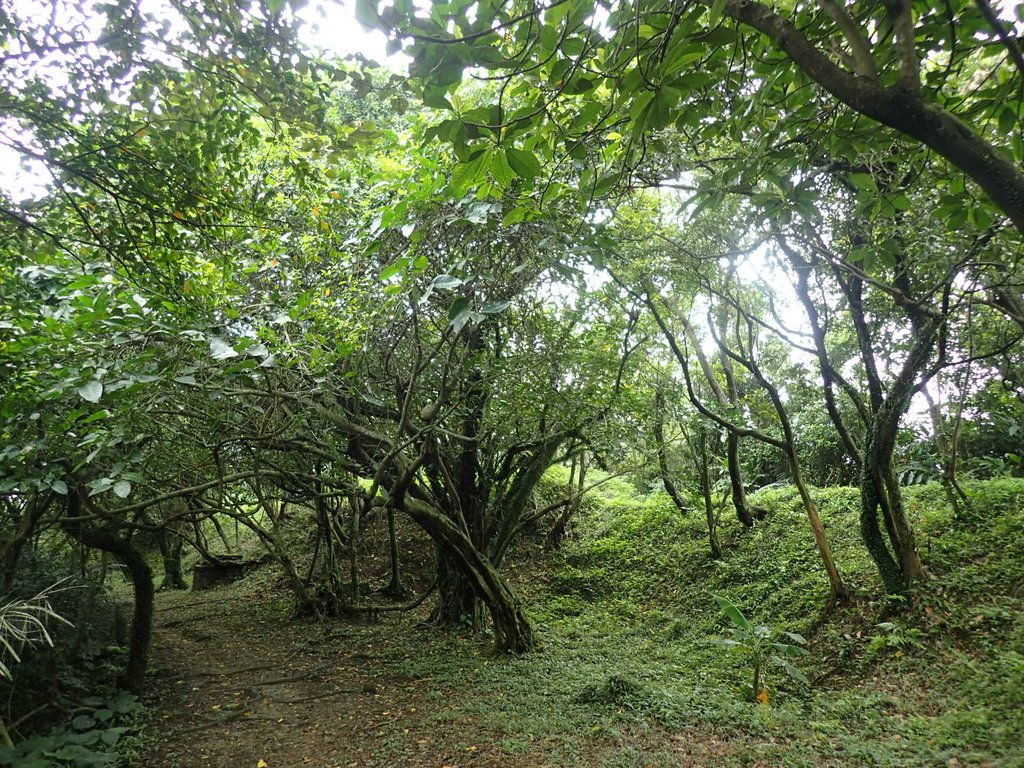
x=886, y=529
x=107, y=539
x=458, y=605
x=472, y=571
x=395, y=588
x=171, y=547
x=881, y=496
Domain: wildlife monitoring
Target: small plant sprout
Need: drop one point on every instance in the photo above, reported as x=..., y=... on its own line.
x=763, y=645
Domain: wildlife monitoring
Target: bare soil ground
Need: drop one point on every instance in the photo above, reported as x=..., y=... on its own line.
x=237, y=685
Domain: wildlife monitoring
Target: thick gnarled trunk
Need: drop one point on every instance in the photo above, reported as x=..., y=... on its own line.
x=171, y=546
x=511, y=627
x=458, y=606
x=107, y=539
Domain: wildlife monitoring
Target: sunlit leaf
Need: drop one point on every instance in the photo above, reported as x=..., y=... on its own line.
x=91, y=391
x=221, y=349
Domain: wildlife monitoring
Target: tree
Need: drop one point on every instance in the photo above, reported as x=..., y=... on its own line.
x=906, y=288
x=748, y=94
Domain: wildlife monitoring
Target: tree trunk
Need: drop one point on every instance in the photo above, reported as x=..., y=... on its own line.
x=24, y=529
x=946, y=447
x=871, y=531
x=880, y=493
x=353, y=548
x=574, y=489
x=885, y=426
x=744, y=512
x=702, y=460
x=837, y=589
x=556, y=535
x=220, y=533
x=171, y=546
x=271, y=540
x=736, y=489
x=395, y=587
x=107, y=540
x=662, y=448
x=457, y=606
x=459, y=557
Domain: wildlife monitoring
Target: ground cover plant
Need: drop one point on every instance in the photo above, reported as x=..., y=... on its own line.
x=629, y=672
x=579, y=382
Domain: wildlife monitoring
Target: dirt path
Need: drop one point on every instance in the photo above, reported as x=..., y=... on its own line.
x=235, y=684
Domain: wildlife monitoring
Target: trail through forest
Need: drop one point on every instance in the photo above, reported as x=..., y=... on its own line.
x=238, y=685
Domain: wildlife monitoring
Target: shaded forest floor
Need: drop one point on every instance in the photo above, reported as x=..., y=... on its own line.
x=235, y=683
x=627, y=675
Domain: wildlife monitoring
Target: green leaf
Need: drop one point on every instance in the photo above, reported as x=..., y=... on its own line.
x=100, y=485
x=91, y=391
x=97, y=416
x=726, y=643
x=794, y=672
x=466, y=175
x=458, y=308
x=1007, y=120
x=366, y=13
x=900, y=202
x=122, y=488
x=82, y=723
x=864, y=182
x=734, y=613
x=59, y=486
x=446, y=282
x=436, y=97
x=494, y=308
x=524, y=163
x=393, y=268
x=221, y=349
x=501, y=170
x=111, y=735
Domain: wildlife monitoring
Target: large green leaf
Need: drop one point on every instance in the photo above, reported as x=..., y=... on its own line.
x=366, y=13
x=524, y=163
x=735, y=615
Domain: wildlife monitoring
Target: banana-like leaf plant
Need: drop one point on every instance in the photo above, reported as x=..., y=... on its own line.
x=763, y=645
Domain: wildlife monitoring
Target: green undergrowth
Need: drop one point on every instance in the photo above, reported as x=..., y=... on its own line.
x=104, y=733
x=626, y=619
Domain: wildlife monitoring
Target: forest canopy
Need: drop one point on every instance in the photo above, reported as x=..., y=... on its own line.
x=707, y=246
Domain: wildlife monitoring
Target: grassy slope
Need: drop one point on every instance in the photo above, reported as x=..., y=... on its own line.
x=627, y=675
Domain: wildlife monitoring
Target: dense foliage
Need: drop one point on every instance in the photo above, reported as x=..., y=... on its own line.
x=708, y=246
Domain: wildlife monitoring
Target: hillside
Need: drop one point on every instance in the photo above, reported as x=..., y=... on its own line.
x=628, y=674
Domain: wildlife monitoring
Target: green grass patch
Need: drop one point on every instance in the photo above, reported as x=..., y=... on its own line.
x=625, y=618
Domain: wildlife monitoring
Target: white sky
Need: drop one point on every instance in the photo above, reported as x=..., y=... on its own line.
x=332, y=26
